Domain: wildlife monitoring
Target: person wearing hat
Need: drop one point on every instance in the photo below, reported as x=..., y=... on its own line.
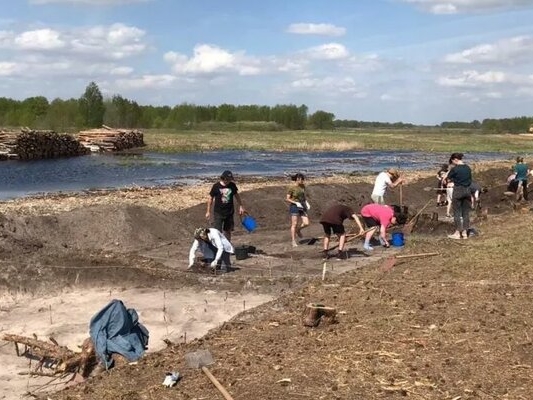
x=214, y=246
x=221, y=202
x=389, y=178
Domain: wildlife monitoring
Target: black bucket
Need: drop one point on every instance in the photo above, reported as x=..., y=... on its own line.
x=241, y=252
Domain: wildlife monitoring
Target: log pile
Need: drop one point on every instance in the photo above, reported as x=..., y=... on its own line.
x=58, y=359
x=28, y=144
x=109, y=139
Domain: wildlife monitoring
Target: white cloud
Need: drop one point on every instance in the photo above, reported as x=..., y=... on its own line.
x=466, y=6
x=505, y=51
x=212, y=60
x=41, y=39
x=147, y=82
x=121, y=71
x=316, y=29
x=330, y=86
x=475, y=79
x=8, y=68
x=89, y=2
x=329, y=51
x=115, y=42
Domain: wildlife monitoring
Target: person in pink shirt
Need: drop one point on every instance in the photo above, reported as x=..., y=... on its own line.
x=382, y=216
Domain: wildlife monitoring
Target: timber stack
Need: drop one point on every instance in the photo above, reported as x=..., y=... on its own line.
x=28, y=144
x=110, y=139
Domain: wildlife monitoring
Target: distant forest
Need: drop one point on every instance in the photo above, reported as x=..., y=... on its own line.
x=92, y=110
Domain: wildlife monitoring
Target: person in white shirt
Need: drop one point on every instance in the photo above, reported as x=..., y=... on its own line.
x=384, y=180
x=214, y=246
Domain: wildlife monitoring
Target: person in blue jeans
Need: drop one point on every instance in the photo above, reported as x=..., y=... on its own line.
x=461, y=176
x=522, y=171
x=298, y=206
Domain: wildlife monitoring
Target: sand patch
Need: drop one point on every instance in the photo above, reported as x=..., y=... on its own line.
x=65, y=317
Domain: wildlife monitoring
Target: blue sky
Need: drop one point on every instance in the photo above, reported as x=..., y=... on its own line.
x=419, y=61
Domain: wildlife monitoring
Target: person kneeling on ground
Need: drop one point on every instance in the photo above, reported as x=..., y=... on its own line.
x=214, y=246
x=332, y=222
x=382, y=216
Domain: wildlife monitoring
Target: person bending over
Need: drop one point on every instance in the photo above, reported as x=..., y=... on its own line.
x=214, y=246
x=332, y=222
x=381, y=216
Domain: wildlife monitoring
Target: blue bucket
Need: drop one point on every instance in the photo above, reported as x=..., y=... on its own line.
x=397, y=239
x=249, y=223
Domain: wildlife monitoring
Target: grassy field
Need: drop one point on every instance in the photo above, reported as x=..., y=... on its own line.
x=438, y=140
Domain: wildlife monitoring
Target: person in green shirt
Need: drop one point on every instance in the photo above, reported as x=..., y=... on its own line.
x=298, y=206
x=522, y=171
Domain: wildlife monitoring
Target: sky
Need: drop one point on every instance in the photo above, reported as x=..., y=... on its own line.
x=417, y=61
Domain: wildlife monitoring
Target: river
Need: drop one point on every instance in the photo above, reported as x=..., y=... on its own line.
x=99, y=171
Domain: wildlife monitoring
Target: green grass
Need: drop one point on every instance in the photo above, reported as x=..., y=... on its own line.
x=437, y=140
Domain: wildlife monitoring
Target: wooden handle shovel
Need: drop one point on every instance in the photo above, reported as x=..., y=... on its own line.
x=391, y=261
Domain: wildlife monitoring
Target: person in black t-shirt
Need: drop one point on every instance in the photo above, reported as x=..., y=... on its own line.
x=332, y=222
x=221, y=201
x=461, y=176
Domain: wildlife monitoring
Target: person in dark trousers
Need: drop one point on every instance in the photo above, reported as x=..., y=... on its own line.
x=221, y=201
x=332, y=222
x=214, y=246
x=522, y=171
x=461, y=176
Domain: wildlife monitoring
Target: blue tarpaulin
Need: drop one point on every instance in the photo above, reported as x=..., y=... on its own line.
x=116, y=329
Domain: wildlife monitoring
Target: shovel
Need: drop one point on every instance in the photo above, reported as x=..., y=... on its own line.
x=311, y=241
x=391, y=261
x=200, y=359
x=408, y=227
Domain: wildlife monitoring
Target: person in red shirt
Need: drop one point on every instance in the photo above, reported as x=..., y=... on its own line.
x=382, y=216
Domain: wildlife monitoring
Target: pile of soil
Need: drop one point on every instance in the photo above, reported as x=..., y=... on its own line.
x=436, y=328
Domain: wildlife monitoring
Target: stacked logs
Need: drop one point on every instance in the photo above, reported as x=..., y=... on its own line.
x=109, y=139
x=30, y=144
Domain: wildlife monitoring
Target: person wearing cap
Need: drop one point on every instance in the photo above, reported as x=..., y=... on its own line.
x=461, y=176
x=386, y=179
x=221, y=202
x=214, y=246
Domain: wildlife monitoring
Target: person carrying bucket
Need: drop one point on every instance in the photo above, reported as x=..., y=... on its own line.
x=386, y=179
x=221, y=201
x=214, y=246
x=332, y=222
x=381, y=216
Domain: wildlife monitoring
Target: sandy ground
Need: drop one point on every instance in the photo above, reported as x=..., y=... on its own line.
x=174, y=315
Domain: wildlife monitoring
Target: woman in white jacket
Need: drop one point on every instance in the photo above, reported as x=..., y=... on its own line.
x=213, y=245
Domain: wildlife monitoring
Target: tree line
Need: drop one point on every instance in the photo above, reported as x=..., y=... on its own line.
x=92, y=110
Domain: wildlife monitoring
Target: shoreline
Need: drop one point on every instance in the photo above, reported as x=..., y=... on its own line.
x=177, y=197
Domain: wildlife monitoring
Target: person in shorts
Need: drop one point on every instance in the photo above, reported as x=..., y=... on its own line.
x=332, y=222
x=386, y=179
x=221, y=201
x=380, y=216
x=298, y=206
